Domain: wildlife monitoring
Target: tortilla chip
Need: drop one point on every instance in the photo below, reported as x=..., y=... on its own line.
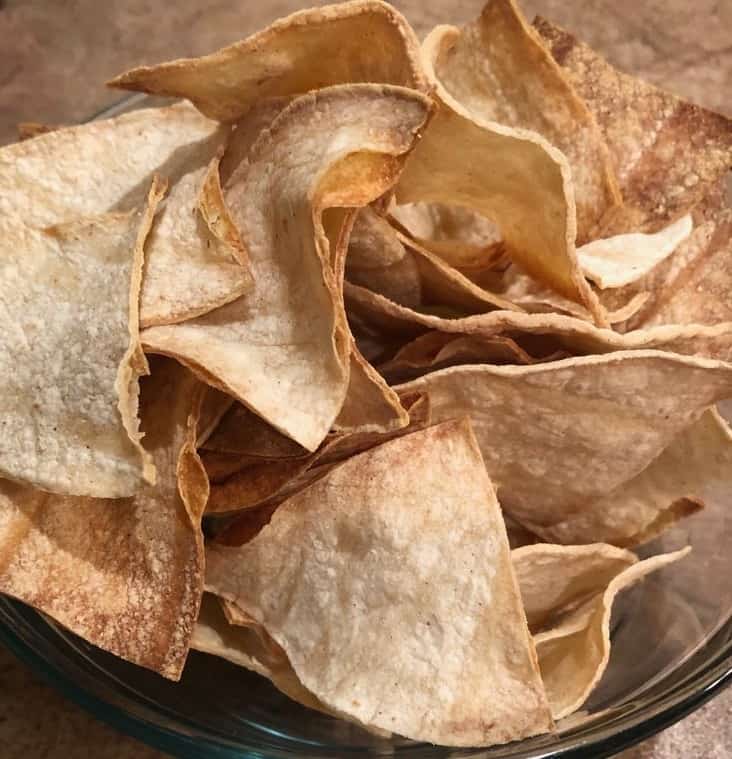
x=69, y=415
x=244, y=647
x=438, y=350
x=103, y=165
x=291, y=326
x=27, y=130
x=126, y=575
x=513, y=177
x=667, y=153
x=567, y=333
x=366, y=41
x=213, y=409
x=622, y=259
x=194, y=261
x=499, y=70
x=258, y=480
x=408, y=519
x=574, y=653
x=691, y=473
x=554, y=436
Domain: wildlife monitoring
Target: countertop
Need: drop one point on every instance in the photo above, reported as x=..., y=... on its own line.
x=54, y=58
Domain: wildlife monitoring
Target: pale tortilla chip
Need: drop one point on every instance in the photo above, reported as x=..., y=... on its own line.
x=554, y=436
x=622, y=259
x=262, y=478
x=103, y=165
x=194, y=261
x=406, y=519
x=513, y=177
x=283, y=348
x=366, y=41
x=574, y=654
x=692, y=472
x=667, y=153
x=71, y=354
x=499, y=70
x=27, y=130
x=568, y=333
x=126, y=575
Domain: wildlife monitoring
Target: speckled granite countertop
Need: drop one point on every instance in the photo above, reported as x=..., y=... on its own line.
x=54, y=58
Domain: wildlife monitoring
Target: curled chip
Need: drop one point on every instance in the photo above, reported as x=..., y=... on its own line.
x=292, y=321
x=69, y=415
x=574, y=648
x=361, y=41
x=126, y=575
x=499, y=70
x=554, y=436
x=513, y=177
x=371, y=547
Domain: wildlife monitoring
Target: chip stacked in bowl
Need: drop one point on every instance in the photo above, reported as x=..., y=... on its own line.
x=422, y=338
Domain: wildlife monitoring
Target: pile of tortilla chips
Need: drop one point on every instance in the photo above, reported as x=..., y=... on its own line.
x=422, y=338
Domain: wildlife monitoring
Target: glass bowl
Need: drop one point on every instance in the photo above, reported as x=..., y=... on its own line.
x=672, y=650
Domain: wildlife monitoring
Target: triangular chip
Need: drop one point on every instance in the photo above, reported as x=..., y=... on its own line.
x=694, y=471
x=71, y=355
x=513, y=177
x=378, y=540
x=361, y=41
x=622, y=259
x=194, y=260
x=125, y=575
x=574, y=651
x=499, y=70
x=283, y=348
x=667, y=153
x=555, y=435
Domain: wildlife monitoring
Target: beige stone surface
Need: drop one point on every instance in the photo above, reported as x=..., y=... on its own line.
x=54, y=58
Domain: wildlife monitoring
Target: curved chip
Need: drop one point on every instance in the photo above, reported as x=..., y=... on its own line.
x=70, y=354
x=555, y=435
x=291, y=327
x=667, y=153
x=499, y=70
x=573, y=654
x=362, y=41
x=693, y=472
x=513, y=177
x=125, y=575
x=378, y=540
x=622, y=259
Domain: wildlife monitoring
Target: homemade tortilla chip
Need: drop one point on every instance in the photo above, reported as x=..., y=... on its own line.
x=693, y=472
x=513, y=177
x=126, y=575
x=499, y=70
x=362, y=41
x=667, y=153
x=406, y=519
x=283, y=349
x=573, y=654
x=102, y=166
x=71, y=355
x=194, y=260
x=554, y=436
x=622, y=259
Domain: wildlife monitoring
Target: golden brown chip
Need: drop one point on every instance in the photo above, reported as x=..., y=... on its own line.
x=371, y=547
x=554, y=436
x=691, y=473
x=71, y=355
x=513, y=177
x=574, y=653
x=283, y=349
x=499, y=70
x=667, y=153
x=363, y=41
x=27, y=130
x=126, y=575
